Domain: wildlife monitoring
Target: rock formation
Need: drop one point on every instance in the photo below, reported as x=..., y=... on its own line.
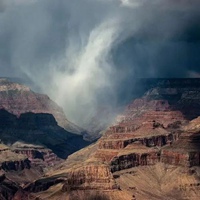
x=11, y=161
x=36, y=143
x=39, y=156
x=152, y=152
x=151, y=126
x=18, y=99
x=39, y=129
x=186, y=151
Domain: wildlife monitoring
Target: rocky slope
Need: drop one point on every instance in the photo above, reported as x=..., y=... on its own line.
x=18, y=99
x=16, y=170
x=39, y=156
x=23, y=162
x=10, y=160
x=152, y=152
x=9, y=188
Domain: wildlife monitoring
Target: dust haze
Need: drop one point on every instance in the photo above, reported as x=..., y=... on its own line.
x=86, y=53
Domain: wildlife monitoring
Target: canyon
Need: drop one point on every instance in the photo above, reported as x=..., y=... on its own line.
x=151, y=151
x=144, y=149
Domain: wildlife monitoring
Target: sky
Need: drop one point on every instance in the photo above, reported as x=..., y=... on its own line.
x=85, y=53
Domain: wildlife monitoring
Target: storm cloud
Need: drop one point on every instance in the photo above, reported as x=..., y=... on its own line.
x=87, y=53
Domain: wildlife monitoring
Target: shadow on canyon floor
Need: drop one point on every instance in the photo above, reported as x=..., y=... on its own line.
x=39, y=129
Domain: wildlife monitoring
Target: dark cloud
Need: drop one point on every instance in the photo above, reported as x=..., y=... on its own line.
x=2, y=5
x=87, y=53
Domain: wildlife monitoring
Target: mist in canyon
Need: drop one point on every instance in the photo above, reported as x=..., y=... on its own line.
x=87, y=54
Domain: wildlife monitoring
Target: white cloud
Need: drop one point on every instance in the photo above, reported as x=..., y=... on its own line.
x=83, y=52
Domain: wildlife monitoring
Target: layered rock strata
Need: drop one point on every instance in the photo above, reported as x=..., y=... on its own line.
x=186, y=151
x=38, y=155
x=10, y=161
x=88, y=177
x=150, y=153
x=18, y=99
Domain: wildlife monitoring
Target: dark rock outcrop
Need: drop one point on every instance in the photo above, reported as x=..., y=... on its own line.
x=8, y=188
x=16, y=165
x=39, y=129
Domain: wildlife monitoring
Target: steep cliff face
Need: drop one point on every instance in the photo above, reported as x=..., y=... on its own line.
x=91, y=176
x=39, y=156
x=129, y=146
x=134, y=155
x=154, y=121
x=39, y=129
x=15, y=165
x=186, y=151
x=11, y=161
x=87, y=177
x=18, y=99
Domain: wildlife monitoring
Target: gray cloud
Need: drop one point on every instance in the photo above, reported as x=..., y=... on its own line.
x=87, y=53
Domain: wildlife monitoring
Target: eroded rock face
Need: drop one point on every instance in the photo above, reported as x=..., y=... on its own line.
x=186, y=151
x=153, y=121
x=149, y=141
x=151, y=137
x=18, y=99
x=11, y=161
x=17, y=165
x=15, y=170
x=39, y=129
x=155, y=130
x=91, y=177
x=36, y=143
x=130, y=146
x=39, y=156
x=134, y=160
x=8, y=188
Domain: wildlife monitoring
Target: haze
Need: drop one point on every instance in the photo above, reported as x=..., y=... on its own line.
x=86, y=53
